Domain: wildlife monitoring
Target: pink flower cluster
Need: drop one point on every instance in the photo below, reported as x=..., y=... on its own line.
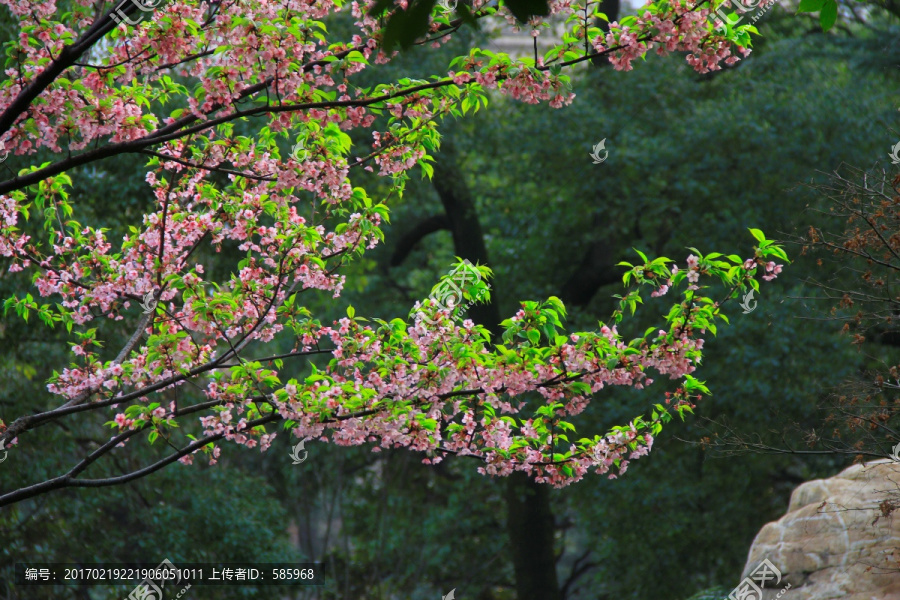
x=296, y=220
x=772, y=269
x=682, y=27
x=415, y=391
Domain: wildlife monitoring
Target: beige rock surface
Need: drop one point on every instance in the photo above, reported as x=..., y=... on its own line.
x=835, y=542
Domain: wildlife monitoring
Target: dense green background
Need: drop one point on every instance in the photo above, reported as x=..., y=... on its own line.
x=693, y=161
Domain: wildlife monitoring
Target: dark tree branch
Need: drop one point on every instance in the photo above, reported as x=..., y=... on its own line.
x=33, y=421
x=412, y=237
x=67, y=58
x=69, y=479
x=598, y=266
x=213, y=168
x=462, y=215
x=597, y=269
x=579, y=568
x=530, y=522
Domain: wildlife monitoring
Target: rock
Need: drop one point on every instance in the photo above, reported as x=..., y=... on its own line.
x=837, y=540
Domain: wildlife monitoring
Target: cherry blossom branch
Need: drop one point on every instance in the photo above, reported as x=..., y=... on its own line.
x=180, y=127
x=205, y=167
x=69, y=480
x=124, y=352
x=30, y=422
x=429, y=387
x=67, y=58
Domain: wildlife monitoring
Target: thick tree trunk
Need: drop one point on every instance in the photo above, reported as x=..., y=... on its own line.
x=531, y=526
x=462, y=221
x=530, y=521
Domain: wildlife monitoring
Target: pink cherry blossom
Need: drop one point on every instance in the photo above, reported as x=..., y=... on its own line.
x=284, y=198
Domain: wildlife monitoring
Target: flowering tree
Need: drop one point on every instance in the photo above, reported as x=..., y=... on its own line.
x=87, y=81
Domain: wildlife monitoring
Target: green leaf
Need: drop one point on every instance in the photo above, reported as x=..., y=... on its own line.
x=355, y=56
x=778, y=252
x=810, y=5
x=828, y=16
x=759, y=235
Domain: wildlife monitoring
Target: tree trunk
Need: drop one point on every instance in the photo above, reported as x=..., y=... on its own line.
x=530, y=526
x=530, y=522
